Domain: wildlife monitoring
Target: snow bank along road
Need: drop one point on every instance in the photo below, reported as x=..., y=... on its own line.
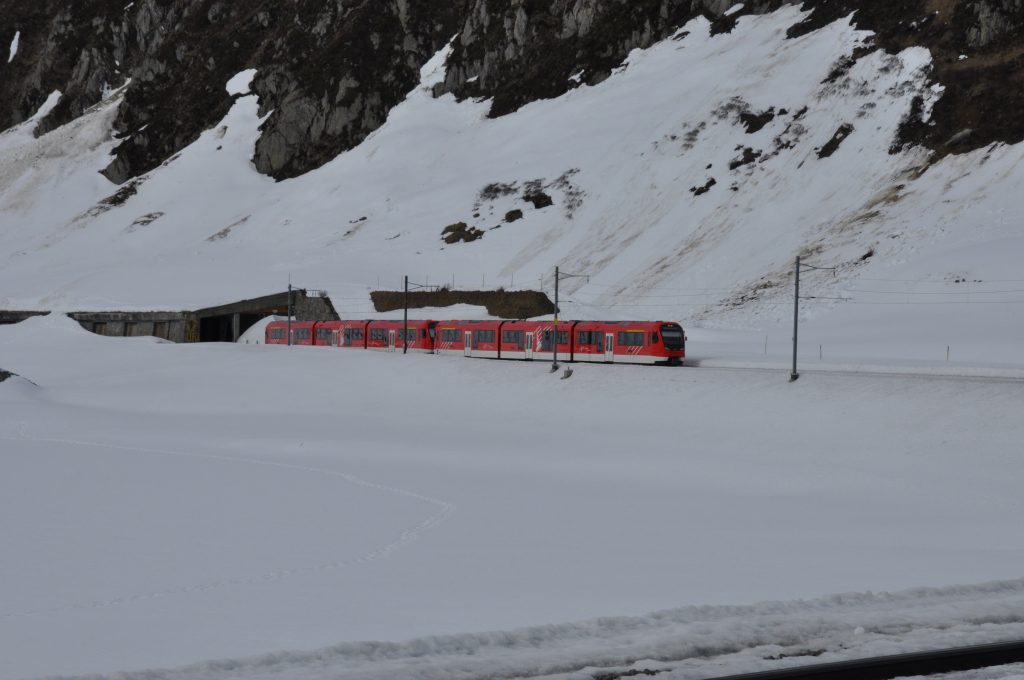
x=164, y=504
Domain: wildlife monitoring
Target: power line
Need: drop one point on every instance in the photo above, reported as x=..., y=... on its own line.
x=945, y=302
x=935, y=292
x=864, y=278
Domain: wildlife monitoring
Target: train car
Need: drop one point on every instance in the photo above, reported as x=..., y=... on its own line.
x=302, y=333
x=535, y=340
x=629, y=342
x=389, y=336
x=276, y=333
x=468, y=338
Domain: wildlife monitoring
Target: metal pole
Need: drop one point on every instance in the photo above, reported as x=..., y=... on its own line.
x=796, y=316
x=554, y=333
x=405, y=319
x=289, y=313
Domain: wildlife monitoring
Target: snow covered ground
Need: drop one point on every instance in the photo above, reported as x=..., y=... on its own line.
x=163, y=505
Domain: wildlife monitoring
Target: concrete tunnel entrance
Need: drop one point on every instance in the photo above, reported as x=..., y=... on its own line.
x=227, y=323
x=224, y=323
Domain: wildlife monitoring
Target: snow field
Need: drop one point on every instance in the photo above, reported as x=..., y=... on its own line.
x=166, y=503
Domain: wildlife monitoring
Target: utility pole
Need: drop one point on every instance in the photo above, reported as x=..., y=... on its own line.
x=558, y=277
x=289, y=310
x=554, y=338
x=796, y=306
x=796, y=316
x=405, y=312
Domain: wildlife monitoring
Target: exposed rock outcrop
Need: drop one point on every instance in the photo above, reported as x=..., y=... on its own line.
x=329, y=71
x=518, y=51
x=977, y=49
x=355, y=62
x=78, y=48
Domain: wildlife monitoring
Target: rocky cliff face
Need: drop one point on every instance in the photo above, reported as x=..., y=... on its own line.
x=517, y=51
x=976, y=46
x=329, y=72
x=78, y=48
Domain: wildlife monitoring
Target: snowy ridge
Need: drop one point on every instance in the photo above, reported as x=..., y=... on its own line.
x=691, y=642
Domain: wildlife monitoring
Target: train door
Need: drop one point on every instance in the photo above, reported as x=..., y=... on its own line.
x=469, y=343
x=391, y=340
x=529, y=345
x=334, y=339
x=609, y=347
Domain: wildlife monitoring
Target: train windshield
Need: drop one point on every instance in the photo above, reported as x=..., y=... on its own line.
x=673, y=335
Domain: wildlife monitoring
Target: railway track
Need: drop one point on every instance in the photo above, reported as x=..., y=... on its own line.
x=864, y=373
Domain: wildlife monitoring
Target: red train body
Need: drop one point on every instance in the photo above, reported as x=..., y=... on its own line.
x=303, y=332
x=388, y=336
x=609, y=342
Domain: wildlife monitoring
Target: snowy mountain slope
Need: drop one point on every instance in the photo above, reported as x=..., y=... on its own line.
x=623, y=161
x=619, y=160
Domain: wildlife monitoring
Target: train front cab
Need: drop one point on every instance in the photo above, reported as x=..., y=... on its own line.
x=629, y=342
x=276, y=333
x=673, y=342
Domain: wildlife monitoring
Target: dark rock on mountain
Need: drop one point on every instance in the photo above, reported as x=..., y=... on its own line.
x=329, y=71
x=72, y=47
x=460, y=231
x=518, y=51
x=336, y=75
x=837, y=139
x=978, y=52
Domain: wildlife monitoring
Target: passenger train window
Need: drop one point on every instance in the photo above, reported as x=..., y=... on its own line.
x=631, y=338
x=483, y=337
x=512, y=337
x=563, y=338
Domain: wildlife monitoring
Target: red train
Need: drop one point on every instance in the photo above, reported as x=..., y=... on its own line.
x=628, y=342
